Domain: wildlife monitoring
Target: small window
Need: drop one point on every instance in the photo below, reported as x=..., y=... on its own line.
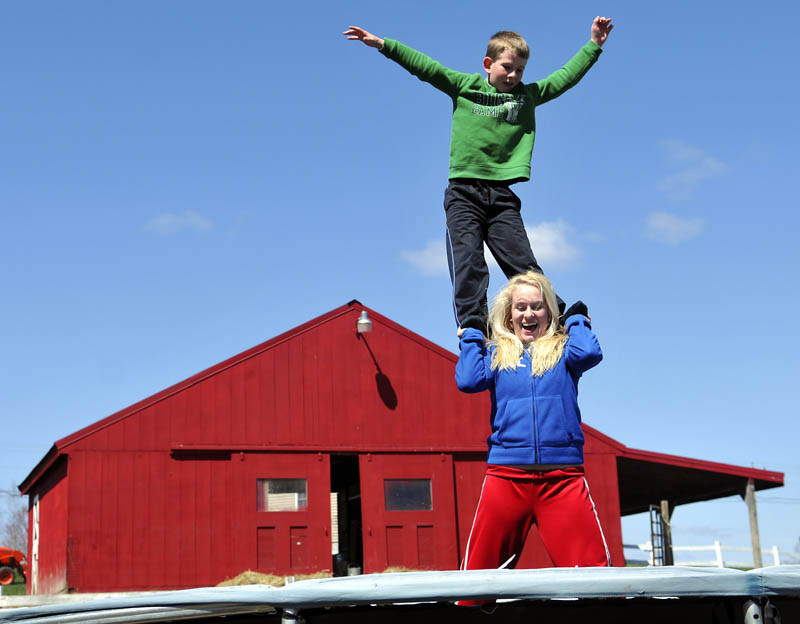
x=281, y=495
x=407, y=494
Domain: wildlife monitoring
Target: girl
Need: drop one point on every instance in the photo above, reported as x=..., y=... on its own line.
x=531, y=367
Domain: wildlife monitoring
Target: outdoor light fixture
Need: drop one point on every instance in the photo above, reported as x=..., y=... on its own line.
x=364, y=325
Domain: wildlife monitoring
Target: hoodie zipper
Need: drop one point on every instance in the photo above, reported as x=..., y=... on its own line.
x=535, y=427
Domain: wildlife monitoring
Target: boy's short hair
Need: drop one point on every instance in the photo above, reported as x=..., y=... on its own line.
x=507, y=40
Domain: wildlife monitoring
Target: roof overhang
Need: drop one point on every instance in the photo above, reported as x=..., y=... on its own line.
x=646, y=478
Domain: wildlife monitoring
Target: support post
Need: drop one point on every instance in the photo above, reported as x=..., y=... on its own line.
x=750, y=500
x=718, y=553
x=666, y=518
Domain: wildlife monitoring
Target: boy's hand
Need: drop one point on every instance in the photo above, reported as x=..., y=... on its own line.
x=601, y=27
x=354, y=32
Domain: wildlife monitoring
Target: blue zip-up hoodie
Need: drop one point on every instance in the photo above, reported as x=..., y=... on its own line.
x=535, y=420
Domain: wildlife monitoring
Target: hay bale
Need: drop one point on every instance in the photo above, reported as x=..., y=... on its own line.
x=250, y=577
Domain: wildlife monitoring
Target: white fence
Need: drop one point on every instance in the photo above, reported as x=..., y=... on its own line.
x=720, y=560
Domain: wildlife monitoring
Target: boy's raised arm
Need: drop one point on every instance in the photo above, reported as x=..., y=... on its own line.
x=601, y=27
x=416, y=63
x=355, y=33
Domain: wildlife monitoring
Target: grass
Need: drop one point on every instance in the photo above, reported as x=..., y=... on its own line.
x=17, y=588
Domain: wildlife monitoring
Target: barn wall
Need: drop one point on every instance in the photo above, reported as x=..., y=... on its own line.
x=600, y=463
x=149, y=520
x=468, y=471
x=146, y=516
x=151, y=492
x=52, y=561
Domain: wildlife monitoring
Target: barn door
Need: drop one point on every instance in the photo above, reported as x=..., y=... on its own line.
x=408, y=512
x=283, y=523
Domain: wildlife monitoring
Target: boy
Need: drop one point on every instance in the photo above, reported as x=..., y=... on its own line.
x=490, y=149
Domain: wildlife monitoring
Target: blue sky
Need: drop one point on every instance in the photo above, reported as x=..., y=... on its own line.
x=180, y=181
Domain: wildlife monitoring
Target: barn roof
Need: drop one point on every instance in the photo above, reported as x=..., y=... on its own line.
x=642, y=475
x=645, y=475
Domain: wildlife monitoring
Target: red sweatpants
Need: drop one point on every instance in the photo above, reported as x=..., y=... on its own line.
x=557, y=501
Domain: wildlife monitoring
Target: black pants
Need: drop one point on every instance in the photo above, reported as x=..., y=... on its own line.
x=479, y=211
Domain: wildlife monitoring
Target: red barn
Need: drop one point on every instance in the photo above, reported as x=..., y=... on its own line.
x=319, y=441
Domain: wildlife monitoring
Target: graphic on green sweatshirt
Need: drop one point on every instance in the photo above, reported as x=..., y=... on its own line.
x=503, y=105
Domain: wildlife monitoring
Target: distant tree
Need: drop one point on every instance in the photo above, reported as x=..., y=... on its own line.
x=13, y=520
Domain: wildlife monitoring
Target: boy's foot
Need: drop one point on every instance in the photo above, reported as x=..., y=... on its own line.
x=579, y=307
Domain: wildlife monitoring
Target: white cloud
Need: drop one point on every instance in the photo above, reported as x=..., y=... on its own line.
x=667, y=228
x=550, y=241
x=168, y=223
x=431, y=260
x=696, y=167
x=553, y=246
x=678, y=151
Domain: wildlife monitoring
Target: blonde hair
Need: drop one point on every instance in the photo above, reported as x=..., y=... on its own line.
x=507, y=40
x=545, y=351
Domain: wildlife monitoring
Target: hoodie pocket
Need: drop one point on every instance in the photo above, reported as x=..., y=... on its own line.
x=514, y=423
x=555, y=429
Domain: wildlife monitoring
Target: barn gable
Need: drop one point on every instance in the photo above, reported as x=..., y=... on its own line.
x=390, y=389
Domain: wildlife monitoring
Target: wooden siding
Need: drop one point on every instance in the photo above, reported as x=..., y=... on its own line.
x=601, y=475
x=148, y=520
x=54, y=548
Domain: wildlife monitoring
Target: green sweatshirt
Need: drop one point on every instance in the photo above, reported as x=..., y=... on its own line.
x=493, y=132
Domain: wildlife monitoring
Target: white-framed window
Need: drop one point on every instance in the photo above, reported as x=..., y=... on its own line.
x=281, y=495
